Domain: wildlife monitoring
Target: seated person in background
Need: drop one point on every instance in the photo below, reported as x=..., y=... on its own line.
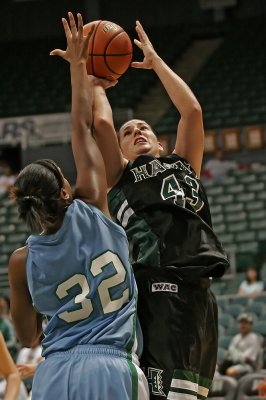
x=5, y=306
x=7, y=328
x=9, y=372
x=252, y=286
x=7, y=176
x=27, y=361
x=244, y=350
x=217, y=168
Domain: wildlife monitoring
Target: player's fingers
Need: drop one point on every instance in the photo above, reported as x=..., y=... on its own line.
x=58, y=52
x=80, y=25
x=138, y=43
x=141, y=32
x=66, y=28
x=136, y=64
x=72, y=22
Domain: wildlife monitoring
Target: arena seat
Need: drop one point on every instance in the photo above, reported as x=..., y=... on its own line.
x=247, y=386
x=223, y=388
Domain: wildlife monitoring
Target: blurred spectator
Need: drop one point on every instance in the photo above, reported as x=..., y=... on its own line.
x=4, y=306
x=27, y=360
x=7, y=176
x=7, y=328
x=217, y=168
x=252, y=286
x=9, y=372
x=244, y=350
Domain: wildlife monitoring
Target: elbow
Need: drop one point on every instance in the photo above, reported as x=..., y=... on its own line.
x=101, y=123
x=195, y=111
x=29, y=340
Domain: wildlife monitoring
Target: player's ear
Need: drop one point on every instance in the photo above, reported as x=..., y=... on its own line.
x=161, y=149
x=64, y=194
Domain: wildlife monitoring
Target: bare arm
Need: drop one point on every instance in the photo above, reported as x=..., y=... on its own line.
x=91, y=183
x=105, y=133
x=190, y=131
x=9, y=371
x=27, y=322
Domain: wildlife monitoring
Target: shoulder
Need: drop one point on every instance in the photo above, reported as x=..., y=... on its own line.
x=19, y=255
x=17, y=262
x=98, y=217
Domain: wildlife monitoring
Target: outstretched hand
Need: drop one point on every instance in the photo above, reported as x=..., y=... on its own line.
x=146, y=46
x=77, y=41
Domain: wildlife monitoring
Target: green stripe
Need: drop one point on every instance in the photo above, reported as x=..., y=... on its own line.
x=184, y=391
x=192, y=377
x=205, y=382
x=133, y=370
x=186, y=375
x=137, y=229
x=134, y=377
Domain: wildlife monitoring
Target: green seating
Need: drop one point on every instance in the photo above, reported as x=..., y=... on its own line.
x=225, y=199
x=225, y=320
x=237, y=227
x=255, y=187
x=245, y=197
x=245, y=236
x=234, y=208
x=222, y=301
x=216, y=209
x=254, y=205
x=224, y=342
x=234, y=309
x=258, y=224
x=232, y=330
x=239, y=188
x=235, y=217
x=226, y=238
x=241, y=300
x=260, y=327
x=250, y=247
x=256, y=307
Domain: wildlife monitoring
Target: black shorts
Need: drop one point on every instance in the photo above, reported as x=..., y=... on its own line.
x=180, y=333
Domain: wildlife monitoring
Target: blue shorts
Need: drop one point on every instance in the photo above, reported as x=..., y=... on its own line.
x=88, y=372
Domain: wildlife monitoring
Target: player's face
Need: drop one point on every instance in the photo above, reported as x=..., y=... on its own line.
x=136, y=138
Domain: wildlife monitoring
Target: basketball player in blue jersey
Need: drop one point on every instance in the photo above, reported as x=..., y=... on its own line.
x=74, y=268
x=162, y=205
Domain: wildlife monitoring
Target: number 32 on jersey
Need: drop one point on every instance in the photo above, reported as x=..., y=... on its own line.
x=86, y=306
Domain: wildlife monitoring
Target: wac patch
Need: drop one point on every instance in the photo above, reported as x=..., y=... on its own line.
x=164, y=287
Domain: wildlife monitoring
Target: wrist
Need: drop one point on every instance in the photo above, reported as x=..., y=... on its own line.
x=156, y=61
x=77, y=64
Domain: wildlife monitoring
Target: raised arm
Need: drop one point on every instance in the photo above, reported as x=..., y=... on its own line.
x=190, y=131
x=9, y=371
x=91, y=183
x=105, y=133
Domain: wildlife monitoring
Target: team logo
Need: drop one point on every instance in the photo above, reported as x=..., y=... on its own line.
x=155, y=381
x=164, y=287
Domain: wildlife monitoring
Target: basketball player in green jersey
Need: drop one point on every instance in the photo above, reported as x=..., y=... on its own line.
x=163, y=208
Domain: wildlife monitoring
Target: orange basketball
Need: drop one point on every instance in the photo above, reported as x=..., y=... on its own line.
x=110, y=50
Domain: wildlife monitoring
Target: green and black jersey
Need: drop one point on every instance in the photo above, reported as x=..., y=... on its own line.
x=164, y=210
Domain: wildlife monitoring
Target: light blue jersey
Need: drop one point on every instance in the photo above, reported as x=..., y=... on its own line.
x=81, y=279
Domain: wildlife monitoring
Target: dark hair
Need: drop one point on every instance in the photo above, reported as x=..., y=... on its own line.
x=37, y=194
x=253, y=268
x=7, y=300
